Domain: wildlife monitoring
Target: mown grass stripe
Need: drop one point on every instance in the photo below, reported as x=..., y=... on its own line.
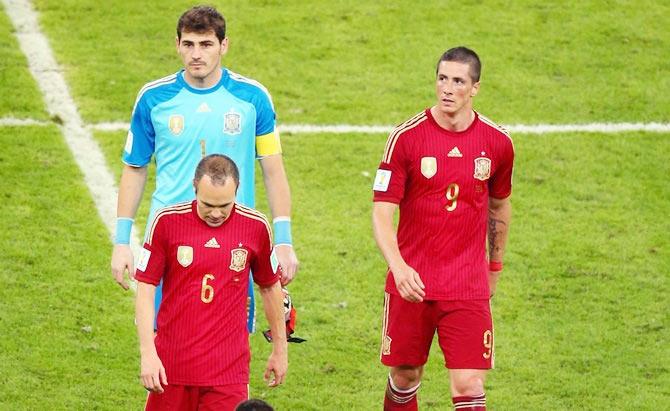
x=61, y=106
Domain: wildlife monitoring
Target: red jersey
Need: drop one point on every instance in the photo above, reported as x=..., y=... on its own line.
x=203, y=339
x=442, y=181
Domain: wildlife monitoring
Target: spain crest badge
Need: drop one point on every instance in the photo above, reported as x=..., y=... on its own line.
x=482, y=168
x=386, y=345
x=238, y=259
x=232, y=122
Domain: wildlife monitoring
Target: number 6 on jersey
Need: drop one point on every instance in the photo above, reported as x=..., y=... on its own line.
x=207, y=291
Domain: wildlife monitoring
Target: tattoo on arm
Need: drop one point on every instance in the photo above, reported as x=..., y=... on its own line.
x=493, y=234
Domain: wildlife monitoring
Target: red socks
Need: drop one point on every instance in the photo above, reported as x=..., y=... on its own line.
x=397, y=399
x=476, y=403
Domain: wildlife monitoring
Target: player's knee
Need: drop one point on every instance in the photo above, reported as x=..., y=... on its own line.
x=406, y=377
x=468, y=386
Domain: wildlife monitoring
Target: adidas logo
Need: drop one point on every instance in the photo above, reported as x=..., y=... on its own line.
x=204, y=108
x=455, y=152
x=212, y=243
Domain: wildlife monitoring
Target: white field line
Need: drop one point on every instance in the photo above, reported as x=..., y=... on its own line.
x=13, y=122
x=59, y=102
x=605, y=128
x=514, y=129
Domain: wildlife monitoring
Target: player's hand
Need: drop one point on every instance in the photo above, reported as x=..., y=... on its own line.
x=409, y=284
x=277, y=366
x=152, y=373
x=122, y=261
x=288, y=262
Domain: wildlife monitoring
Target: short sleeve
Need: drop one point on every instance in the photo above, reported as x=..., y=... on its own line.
x=152, y=261
x=265, y=113
x=391, y=176
x=140, y=142
x=264, y=265
x=500, y=184
x=267, y=137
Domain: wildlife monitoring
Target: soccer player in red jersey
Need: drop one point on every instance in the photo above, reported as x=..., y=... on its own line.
x=203, y=251
x=448, y=170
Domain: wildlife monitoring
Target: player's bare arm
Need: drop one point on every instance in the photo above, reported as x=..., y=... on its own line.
x=277, y=365
x=279, y=199
x=500, y=215
x=131, y=188
x=152, y=373
x=407, y=280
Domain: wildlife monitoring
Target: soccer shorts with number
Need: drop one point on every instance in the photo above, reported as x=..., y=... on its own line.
x=464, y=329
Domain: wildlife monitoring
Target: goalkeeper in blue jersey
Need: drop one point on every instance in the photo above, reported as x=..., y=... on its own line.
x=202, y=109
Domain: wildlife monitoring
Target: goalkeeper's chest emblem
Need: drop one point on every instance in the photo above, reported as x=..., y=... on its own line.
x=176, y=124
x=185, y=255
x=238, y=259
x=232, y=122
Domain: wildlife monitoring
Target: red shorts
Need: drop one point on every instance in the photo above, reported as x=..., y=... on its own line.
x=188, y=397
x=464, y=330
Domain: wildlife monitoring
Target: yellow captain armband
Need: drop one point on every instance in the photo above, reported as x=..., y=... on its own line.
x=268, y=144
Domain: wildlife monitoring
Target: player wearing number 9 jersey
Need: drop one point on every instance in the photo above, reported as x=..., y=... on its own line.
x=203, y=251
x=442, y=181
x=448, y=170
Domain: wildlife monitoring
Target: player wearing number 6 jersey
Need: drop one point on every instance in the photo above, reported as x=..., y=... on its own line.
x=203, y=251
x=202, y=109
x=448, y=170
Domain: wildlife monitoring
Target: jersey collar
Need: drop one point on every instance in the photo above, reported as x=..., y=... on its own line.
x=452, y=133
x=194, y=212
x=184, y=83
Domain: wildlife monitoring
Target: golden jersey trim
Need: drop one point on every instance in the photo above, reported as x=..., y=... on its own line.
x=398, y=131
x=498, y=127
x=254, y=215
x=385, y=345
x=490, y=123
x=180, y=208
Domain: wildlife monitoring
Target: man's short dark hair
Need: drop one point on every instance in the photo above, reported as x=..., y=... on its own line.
x=254, y=405
x=219, y=168
x=463, y=55
x=202, y=19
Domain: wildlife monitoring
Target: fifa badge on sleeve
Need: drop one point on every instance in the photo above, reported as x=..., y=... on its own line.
x=290, y=315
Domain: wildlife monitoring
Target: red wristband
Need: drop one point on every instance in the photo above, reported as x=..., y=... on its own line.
x=495, y=266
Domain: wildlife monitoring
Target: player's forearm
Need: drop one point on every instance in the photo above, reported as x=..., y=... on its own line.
x=500, y=215
x=131, y=187
x=276, y=186
x=274, y=312
x=144, y=317
x=385, y=233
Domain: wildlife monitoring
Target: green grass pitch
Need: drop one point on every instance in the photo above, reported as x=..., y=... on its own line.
x=582, y=308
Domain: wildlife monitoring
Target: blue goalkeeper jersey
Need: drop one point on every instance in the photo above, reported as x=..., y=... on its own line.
x=180, y=124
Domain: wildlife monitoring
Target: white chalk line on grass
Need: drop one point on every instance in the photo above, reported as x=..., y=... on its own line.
x=603, y=128
x=59, y=102
x=18, y=122
x=514, y=129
